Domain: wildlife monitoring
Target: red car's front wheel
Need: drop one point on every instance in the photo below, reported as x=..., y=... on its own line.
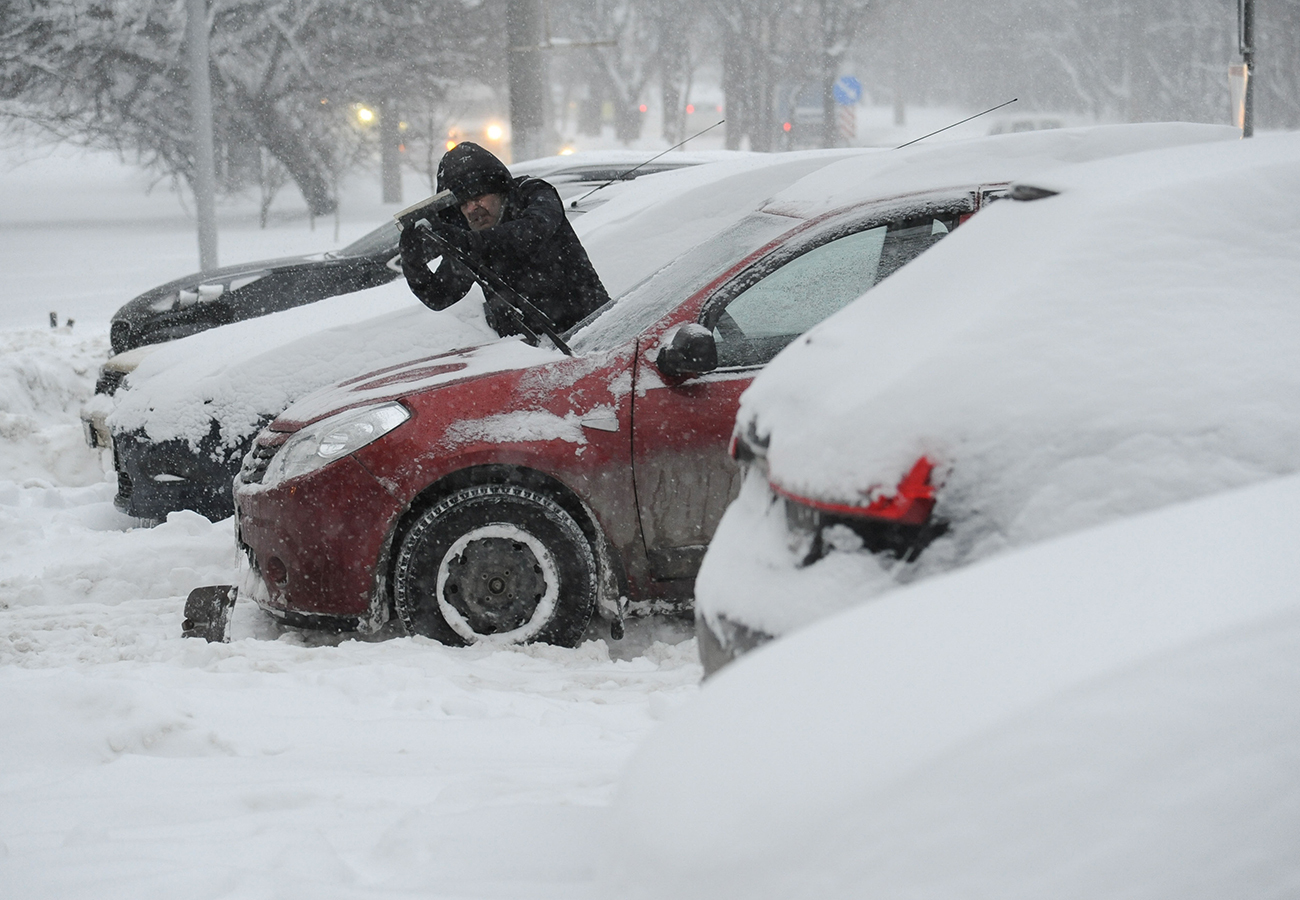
x=497, y=563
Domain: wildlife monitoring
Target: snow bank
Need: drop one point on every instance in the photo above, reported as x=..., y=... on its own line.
x=1104, y=714
x=44, y=377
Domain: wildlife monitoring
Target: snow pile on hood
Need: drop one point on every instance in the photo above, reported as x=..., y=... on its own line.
x=1127, y=344
x=1106, y=714
x=412, y=376
x=241, y=374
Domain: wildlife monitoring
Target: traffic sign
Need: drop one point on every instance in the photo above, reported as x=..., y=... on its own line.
x=847, y=90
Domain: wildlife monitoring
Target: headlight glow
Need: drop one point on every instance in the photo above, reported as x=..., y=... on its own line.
x=333, y=438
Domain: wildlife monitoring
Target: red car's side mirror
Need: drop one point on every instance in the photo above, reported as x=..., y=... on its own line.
x=690, y=350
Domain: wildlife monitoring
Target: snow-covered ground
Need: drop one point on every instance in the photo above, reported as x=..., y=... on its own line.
x=134, y=763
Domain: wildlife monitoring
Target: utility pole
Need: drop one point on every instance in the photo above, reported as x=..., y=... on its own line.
x=526, y=74
x=1246, y=43
x=204, y=179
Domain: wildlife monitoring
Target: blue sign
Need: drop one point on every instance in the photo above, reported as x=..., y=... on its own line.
x=847, y=90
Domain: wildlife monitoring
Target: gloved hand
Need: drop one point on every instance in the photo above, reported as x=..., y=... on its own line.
x=413, y=245
x=444, y=234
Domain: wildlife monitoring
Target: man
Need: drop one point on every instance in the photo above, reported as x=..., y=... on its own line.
x=512, y=228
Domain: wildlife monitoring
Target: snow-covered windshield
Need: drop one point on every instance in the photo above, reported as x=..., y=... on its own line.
x=654, y=297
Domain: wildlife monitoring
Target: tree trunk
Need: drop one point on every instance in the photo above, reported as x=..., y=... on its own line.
x=305, y=163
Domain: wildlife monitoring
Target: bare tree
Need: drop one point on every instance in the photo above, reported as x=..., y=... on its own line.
x=285, y=75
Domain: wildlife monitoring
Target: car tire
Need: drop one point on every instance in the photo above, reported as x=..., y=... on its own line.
x=498, y=563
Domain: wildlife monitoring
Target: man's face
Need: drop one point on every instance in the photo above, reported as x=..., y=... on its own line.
x=483, y=212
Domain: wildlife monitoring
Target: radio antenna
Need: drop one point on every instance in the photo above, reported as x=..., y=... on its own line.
x=622, y=175
x=955, y=124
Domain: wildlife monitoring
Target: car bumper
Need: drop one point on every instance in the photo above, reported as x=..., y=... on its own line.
x=315, y=548
x=155, y=478
x=760, y=579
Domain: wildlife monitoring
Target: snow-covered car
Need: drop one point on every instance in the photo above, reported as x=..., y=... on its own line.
x=501, y=493
x=192, y=406
x=1126, y=340
x=1110, y=713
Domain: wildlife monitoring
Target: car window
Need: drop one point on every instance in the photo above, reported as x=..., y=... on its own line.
x=768, y=315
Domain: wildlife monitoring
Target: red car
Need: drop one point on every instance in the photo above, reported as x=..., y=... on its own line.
x=506, y=492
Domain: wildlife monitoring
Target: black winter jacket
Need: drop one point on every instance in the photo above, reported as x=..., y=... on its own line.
x=533, y=249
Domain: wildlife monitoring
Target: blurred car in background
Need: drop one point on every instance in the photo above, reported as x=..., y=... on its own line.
x=206, y=300
x=1122, y=342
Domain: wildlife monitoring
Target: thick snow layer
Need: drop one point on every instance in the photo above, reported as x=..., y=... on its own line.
x=988, y=160
x=1124, y=345
x=1110, y=713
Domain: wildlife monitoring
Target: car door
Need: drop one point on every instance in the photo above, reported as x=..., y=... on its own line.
x=684, y=479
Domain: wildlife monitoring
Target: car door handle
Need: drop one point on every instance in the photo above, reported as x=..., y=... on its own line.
x=600, y=422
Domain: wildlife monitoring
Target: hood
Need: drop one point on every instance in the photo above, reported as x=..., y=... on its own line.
x=412, y=377
x=469, y=171
x=223, y=277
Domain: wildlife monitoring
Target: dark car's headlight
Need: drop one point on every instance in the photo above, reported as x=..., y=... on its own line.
x=333, y=438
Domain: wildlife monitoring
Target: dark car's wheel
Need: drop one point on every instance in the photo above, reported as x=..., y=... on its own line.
x=497, y=562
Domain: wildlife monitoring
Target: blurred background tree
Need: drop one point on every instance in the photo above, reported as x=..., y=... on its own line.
x=305, y=90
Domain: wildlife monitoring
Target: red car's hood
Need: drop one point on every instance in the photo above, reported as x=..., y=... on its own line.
x=410, y=377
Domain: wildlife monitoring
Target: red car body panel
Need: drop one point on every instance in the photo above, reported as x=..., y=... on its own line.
x=645, y=455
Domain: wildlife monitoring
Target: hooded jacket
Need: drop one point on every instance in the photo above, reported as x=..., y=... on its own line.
x=533, y=248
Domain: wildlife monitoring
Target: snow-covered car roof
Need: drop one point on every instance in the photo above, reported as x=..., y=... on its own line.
x=1127, y=343
x=1107, y=714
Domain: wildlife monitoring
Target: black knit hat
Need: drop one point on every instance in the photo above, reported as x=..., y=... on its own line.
x=469, y=171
